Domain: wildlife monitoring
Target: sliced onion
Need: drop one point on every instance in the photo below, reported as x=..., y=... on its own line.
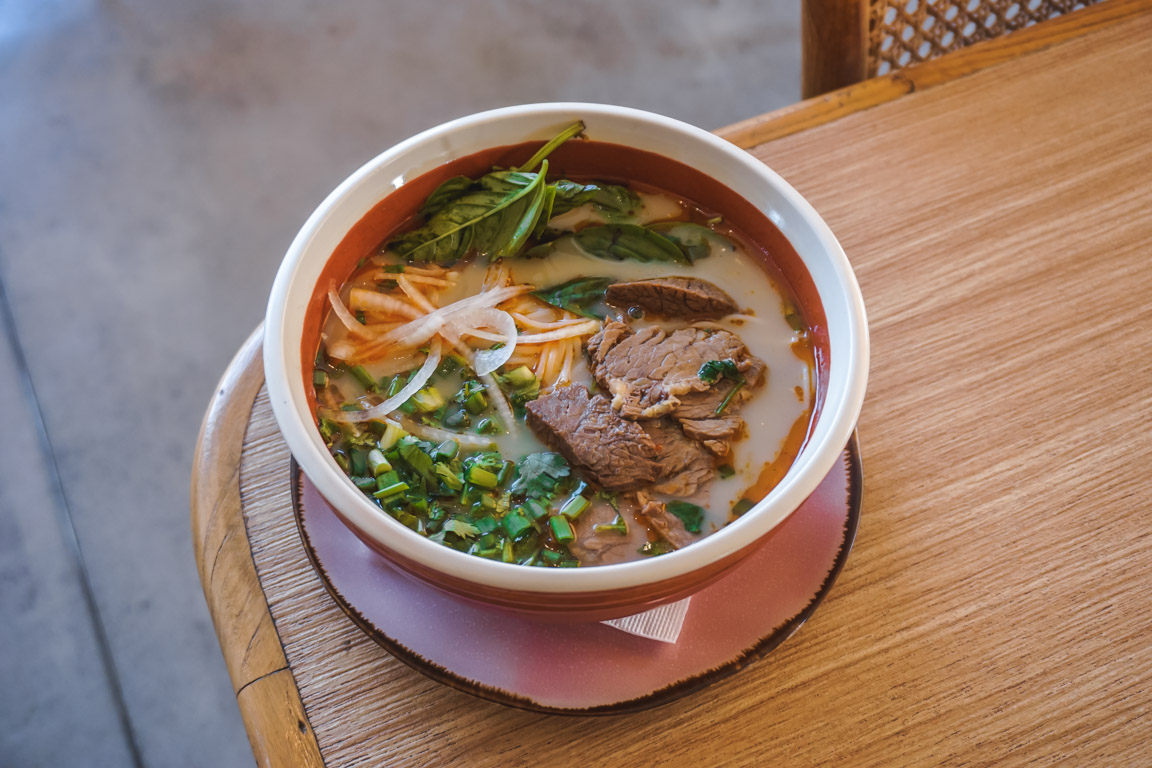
x=468, y=322
x=425, y=432
x=414, y=385
x=353, y=325
x=581, y=329
x=418, y=331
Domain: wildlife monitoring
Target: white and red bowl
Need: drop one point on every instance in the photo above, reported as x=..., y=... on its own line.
x=660, y=151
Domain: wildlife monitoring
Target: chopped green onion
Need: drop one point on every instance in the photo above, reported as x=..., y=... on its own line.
x=366, y=379
x=392, y=490
x=396, y=385
x=482, y=477
x=742, y=506
x=619, y=525
x=359, y=462
x=726, y=470
x=319, y=378
x=574, y=507
x=409, y=520
x=536, y=508
x=457, y=417
x=515, y=524
x=520, y=377
x=418, y=505
x=561, y=529
x=387, y=478
x=476, y=403
x=727, y=398
x=428, y=399
x=364, y=483
x=487, y=524
x=446, y=451
x=653, y=548
x=377, y=463
x=488, y=426
x=392, y=435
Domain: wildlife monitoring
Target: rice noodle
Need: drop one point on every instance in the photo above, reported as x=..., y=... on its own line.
x=496, y=395
x=426, y=432
x=413, y=293
x=543, y=325
x=374, y=301
x=584, y=328
x=354, y=326
x=414, y=385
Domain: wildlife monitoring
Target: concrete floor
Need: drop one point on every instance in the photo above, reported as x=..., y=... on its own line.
x=156, y=159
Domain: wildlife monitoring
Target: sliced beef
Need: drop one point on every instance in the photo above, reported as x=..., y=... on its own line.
x=651, y=372
x=666, y=525
x=724, y=427
x=685, y=465
x=685, y=297
x=616, y=453
x=604, y=547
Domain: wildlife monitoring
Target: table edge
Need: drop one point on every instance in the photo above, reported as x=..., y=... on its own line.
x=875, y=91
x=265, y=688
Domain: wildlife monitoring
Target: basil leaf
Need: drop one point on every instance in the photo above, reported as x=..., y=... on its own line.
x=694, y=240
x=452, y=189
x=691, y=515
x=493, y=220
x=608, y=198
x=628, y=242
x=576, y=295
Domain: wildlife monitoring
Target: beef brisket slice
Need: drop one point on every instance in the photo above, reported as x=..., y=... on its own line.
x=616, y=453
x=685, y=465
x=651, y=372
x=685, y=297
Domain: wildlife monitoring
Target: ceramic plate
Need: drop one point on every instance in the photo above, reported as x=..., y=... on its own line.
x=591, y=669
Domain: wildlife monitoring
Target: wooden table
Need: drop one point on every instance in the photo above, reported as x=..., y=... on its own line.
x=997, y=609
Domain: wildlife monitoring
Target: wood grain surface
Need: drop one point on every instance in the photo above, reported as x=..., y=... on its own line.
x=997, y=608
x=879, y=90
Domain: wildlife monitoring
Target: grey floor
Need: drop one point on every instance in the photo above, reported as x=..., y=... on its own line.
x=156, y=159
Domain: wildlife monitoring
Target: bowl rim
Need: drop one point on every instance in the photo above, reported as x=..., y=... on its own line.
x=282, y=359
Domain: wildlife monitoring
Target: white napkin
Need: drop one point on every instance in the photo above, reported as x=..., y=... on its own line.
x=663, y=623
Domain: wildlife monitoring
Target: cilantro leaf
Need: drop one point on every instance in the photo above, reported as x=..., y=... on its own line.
x=539, y=473
x=690, y=514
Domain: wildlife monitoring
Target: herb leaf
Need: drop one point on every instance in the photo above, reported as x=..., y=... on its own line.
x=690, y=514
x=694, y=240
x=494, y=215
x=610, y=199
x=576, y=295
x=540, y=473
x=629, y=242
x=448, y=191
x=712, y=370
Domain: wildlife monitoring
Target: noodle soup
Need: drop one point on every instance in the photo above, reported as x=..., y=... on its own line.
x=562, y=370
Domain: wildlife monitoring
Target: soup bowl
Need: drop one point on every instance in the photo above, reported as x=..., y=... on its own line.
x=626, y=143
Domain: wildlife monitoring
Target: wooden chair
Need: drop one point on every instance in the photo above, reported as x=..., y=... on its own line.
x=846, y=41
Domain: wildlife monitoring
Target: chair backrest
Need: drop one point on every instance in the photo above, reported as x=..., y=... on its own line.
x=846, y=41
